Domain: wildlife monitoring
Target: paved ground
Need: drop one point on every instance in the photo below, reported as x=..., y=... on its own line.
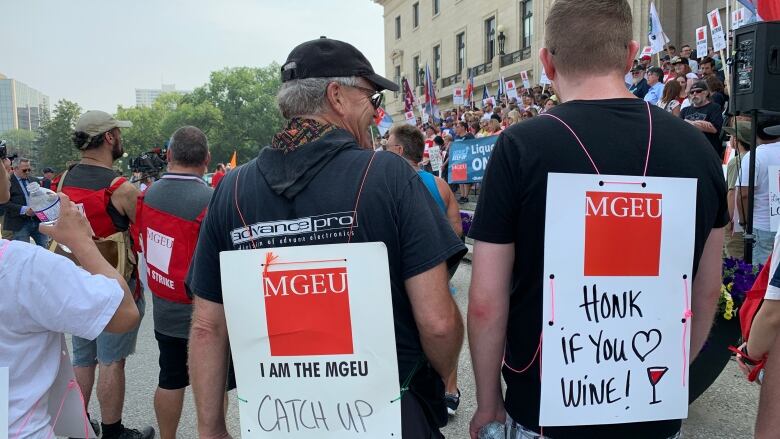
x=726, y=410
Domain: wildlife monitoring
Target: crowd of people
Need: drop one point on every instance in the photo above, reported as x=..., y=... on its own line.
x=114, y=243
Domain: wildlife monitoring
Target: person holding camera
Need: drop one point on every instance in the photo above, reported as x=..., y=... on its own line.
x=109, y=204
x=39, y=289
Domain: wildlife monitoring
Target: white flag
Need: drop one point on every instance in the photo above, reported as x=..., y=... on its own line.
x=655, y=33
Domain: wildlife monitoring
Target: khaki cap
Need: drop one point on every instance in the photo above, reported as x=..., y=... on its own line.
x=743, y=131
x=96, y=122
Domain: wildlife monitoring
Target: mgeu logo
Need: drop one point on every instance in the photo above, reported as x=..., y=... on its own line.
x=319, y=223
x=158, y=249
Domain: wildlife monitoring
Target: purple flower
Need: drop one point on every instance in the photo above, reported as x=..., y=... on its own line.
x=729, y=263
x=744, y=266
x=742, y=282
x=727, y=280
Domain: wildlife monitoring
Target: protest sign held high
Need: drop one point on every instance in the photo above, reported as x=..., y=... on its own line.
x=701, y=42
x=313, y=341
x=469, y=158
x=718, y=35
x=617, y=282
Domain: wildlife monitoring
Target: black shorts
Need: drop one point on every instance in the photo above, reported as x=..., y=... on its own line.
x=173, y=362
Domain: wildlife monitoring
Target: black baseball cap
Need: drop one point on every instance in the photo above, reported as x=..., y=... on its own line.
x=700, y=86
x=325, y=58
x=657, y=71
x=48, y=169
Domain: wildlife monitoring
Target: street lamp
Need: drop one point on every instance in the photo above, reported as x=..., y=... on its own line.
x=501, y=39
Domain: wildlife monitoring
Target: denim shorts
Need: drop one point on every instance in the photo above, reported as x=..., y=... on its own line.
x=108, y=347
x=517, y=431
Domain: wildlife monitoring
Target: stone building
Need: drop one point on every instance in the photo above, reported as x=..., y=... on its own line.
x=488, y=37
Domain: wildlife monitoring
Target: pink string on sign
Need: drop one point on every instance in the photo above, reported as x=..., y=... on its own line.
x=536, y=354
x=552, y=298
x=576, y=137
x=71, y=386
x=687, y=314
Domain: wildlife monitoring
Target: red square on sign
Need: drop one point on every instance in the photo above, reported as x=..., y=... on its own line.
x=459, y=172
x=622, y=234
x=307, y=312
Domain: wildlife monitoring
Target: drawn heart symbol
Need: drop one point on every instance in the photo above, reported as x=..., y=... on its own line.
x=647, y=344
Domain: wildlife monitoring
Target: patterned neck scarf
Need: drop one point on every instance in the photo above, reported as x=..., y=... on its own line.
x=300, y=132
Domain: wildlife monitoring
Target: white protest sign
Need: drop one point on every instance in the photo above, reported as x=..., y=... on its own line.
x=491, y=100
x=410, y=119
x=718, y=36
x=425, y=117
x=736, y=18
x=618, y=255
x=313, y=341
x=774, y=198
x=524, y=77
x=434, y=155
x=701, y=42
x=511, y=89
x=457, y=96
x=544, y=80
x=66, y=392
x=646, y=51
x=4, y=403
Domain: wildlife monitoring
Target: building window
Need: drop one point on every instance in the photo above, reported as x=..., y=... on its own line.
x=436, y=62
x=416, y=67
x=416, y=15
x=435, y=7
x=490, y=39
x=527, y=18
x=398, y=79
x=460, y=47
x=398, y=27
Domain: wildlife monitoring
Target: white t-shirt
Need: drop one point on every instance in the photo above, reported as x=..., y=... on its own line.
x=766, y=155
x=44, y=295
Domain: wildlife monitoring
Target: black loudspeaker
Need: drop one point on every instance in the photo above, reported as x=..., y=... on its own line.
x=756, y=76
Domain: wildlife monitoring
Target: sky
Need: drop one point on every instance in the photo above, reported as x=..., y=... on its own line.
x=97, y=52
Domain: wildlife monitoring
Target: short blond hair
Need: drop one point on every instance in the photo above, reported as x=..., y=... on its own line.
x=588, y=36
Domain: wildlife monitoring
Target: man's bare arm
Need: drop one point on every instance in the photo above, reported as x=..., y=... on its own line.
x=453, y=209
x=125, y=199
x=438, y=318
x=706, y=290
x=208, y=366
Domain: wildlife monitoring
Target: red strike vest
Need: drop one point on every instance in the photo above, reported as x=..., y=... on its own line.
x=95, y=206
x=168, y=243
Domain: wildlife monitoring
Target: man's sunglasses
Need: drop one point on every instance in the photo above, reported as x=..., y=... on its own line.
x=25, y=170
x=376, y=97
x=695, y=92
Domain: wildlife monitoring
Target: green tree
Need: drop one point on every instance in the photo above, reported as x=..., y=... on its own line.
x=55, y=144
x=22, y=142
x=246, y=99
x=146, y=132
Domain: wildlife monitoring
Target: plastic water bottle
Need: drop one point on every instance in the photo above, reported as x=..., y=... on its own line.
x=44, y=202
x=494, y=430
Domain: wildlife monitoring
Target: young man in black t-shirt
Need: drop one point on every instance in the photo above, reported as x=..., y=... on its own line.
x=505, y=301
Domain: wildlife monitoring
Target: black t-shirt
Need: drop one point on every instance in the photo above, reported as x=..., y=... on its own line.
x=712, y=113
x=511, y=209
x=395, y=208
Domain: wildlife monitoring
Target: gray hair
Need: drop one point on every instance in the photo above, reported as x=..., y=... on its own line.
x=307, y=96
x=20, y=160
x=189, y=146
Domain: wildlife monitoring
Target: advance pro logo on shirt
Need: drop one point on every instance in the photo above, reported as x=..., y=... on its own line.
x=622, y=234
x=158, y=249
x=310, y=224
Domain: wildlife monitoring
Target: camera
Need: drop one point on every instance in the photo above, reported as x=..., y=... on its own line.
x=4, y=152
x=150, y=164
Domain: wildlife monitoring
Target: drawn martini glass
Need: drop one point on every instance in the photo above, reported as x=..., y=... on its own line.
x=654, y=374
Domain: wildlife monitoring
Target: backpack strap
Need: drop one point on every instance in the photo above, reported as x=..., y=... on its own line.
x=62, y=181
x=119, y=182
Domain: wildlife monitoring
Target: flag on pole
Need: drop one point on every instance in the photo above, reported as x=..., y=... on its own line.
x=501, y=87
x=408, y=96
x=383, y=121
x=655, y=32
x=485, y=93
x=233, y=161
x=761, y=10
x=431, y=104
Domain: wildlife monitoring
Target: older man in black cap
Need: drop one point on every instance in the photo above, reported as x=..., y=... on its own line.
x=640, y=87
x=705, y=115
x=320, y=164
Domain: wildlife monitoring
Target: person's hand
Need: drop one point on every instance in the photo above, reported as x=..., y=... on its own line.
x=29, y=212
x=483, y=417
x=744, y=367
x=72, y=228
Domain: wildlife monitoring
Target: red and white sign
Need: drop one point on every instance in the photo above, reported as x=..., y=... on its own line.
x=618, y=255
x=701, y=42
x=410, y=118
x=524, y=77
x=457, y=96
x=312, y=334
x=646, y=51
x=511, y=89
x=718, y=35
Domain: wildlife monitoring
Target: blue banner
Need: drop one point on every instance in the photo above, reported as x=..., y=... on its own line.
x=468, y=159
